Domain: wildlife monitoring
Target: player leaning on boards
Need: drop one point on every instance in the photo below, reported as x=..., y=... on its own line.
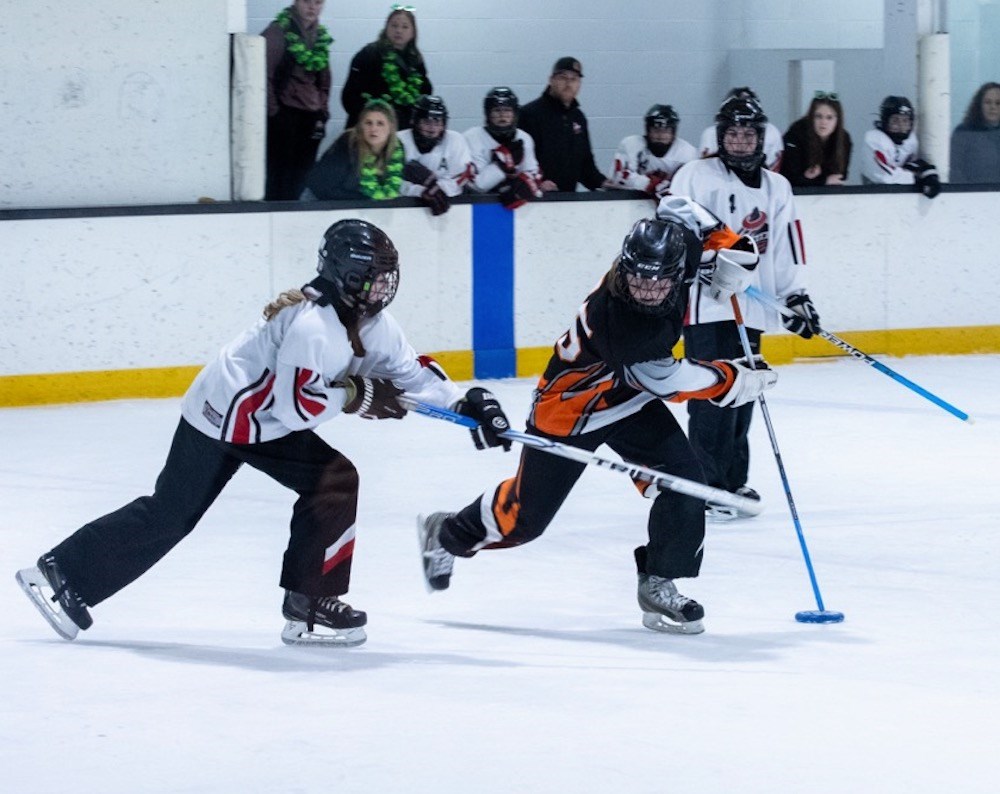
x=605, y=384
x=326, y=349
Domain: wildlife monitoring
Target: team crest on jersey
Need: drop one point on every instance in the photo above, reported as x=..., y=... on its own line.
x=755, y=225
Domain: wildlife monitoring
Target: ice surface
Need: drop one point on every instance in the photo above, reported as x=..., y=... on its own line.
x=532, y=673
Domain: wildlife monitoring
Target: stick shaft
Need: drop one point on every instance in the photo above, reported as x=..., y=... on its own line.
x=745, y=341
x=660, y=479
x=860, y=355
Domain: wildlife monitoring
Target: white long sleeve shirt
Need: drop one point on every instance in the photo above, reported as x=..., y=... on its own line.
x=280, y=376
x=633, y=161
x=882, y=160
x=449, y=161
x=768, y=215
x=487, y=175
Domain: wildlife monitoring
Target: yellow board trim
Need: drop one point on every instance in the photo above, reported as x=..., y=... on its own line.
x=785, y=348
x=74, y=387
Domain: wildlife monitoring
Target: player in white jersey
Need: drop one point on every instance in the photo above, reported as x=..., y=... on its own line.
x=890, y=150
x=758, y=203
x=326, y=349
x=503, y=157
x=438, y=163
x=648, y=162
x=774, y=143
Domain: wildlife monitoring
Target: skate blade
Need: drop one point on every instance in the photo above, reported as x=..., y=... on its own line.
x=719, y=514
x=32, y=581
x=296, y=632
x=430, y=585
x=658, y=622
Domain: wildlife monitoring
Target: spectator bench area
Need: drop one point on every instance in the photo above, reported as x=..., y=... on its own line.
x=126, y=302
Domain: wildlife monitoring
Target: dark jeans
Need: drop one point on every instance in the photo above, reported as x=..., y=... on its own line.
x=100, y=558
x=291, y=152
x=524, y=505
x=719, y=435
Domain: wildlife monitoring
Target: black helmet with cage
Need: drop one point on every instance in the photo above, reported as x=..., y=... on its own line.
x=737, y=112
x=650, y=272
x=428, y=106
x=358, y=269
x=896, y=106
x=661, y=117
x=501, y=97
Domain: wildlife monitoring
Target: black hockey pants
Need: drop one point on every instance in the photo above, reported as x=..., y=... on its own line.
x=100, y=558
x=523, y=506
x=719, y=435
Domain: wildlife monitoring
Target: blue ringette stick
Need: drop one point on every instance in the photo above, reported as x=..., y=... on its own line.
x=660, y=479
x=821, y=614
x=850, y=349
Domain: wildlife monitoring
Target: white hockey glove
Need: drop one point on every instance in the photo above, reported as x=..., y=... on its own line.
x=745, y=384
x=734, y=268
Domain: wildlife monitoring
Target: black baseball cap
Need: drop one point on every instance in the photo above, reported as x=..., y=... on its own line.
x=568, y=64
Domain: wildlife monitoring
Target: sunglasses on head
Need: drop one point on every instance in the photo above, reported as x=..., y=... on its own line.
x=832, y=95
x=398, y=7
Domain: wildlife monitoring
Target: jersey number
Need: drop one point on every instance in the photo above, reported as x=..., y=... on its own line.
x=568, y=347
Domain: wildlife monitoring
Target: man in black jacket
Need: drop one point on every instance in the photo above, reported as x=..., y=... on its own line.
x=559, y=129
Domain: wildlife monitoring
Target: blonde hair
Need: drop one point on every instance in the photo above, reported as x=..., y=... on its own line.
x=359, y=146
x=287, y=298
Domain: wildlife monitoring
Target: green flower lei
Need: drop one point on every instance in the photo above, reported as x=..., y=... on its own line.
x=312, y=60
x=385, y=185
x=401, y=92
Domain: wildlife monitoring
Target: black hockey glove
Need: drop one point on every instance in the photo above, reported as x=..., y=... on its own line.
x=372, y=398
x=505, y=160
x=418, y=173
x=482, y=406
x=925, y=177
x=806, y=323
x=517, y=191
x=516, y=149
x=435, y=198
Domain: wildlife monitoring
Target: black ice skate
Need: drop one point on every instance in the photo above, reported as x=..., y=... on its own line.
x=325, y=621
x=438, y=561
x=65, y=611
x=664, y=609
x=717, y=512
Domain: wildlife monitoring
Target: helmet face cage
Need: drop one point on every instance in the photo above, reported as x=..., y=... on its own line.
x=501, y=97
x=361, y=266
x=660, y=117
x=428, y=107
x=741, y=113
x=895, y=106
x=649, y=273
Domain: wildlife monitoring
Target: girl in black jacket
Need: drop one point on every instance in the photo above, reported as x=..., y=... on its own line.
x=817, y=147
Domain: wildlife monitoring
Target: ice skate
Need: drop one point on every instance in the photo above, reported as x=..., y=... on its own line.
x=64, y=610
x=437, y=560
x=664, y=609
x=716, y=512
x=325, y=621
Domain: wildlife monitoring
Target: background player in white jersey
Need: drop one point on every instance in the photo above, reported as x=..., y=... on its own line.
x=606, y=383
x=758, y=203
x=648, y=162
x=890, y=155
x=438, y=163
x=774, y=143
x=326, y=349
x=503, y=157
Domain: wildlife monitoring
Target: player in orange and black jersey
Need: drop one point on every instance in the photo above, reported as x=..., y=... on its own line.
x=606, y=384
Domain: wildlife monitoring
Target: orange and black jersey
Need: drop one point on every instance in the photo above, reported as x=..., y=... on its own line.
x=614, y=359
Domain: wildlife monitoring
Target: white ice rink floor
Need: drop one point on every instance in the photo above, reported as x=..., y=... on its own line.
x=533, y=672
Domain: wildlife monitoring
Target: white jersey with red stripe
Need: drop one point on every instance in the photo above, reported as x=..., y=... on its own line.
x=882, y=160
x=774, y=145
x=767, y=214
x=279, y=376
x=633, y=161
x=487, y=175
x=449, y=161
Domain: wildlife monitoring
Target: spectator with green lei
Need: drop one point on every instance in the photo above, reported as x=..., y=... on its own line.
x=390, y=68
x=298, y=96
x=365, y=162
